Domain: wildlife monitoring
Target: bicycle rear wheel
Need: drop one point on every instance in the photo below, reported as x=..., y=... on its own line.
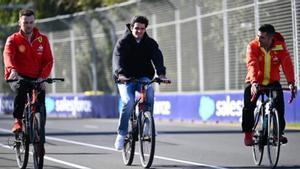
x=258, y=146
x=147, y=139
x=38, y=140
x=129, y=145
x=273, y=138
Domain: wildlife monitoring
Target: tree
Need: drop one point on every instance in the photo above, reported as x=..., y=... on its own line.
x=45, y=9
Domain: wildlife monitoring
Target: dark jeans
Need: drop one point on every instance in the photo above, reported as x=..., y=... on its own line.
x=248, y=110
x=20, y=99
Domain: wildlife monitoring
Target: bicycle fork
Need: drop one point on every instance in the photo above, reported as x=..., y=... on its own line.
x=32, y=121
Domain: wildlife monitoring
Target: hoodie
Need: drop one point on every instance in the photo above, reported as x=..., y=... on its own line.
x=137, y=59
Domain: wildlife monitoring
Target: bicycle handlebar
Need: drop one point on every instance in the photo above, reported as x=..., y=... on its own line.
x=144, y=82
x=270, y=89
x=48, y=80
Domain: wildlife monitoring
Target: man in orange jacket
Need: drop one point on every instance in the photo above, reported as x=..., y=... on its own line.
x=265, y=54
x=27, y=54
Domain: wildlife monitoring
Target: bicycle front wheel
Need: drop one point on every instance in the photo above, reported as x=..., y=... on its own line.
x=147, y=139
x=38, y=141
x=129, y=145
x=258, y=146
x=273, y=138
x=21, y=148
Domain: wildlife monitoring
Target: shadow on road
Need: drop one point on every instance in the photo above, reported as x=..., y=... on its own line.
x=162, y=132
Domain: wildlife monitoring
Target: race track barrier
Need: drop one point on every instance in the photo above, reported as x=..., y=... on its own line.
x=215, y=107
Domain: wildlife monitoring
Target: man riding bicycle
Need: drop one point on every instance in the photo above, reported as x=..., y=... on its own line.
x=265, y=54
x=133, y=57
x=27, y=54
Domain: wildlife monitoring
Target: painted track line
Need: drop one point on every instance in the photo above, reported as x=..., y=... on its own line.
x=47, y=157
x=112, y=149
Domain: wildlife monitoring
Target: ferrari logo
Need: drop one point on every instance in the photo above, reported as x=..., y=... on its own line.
x=40, y=39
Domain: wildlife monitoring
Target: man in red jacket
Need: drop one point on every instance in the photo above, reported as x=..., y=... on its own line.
x=27, y=54
x=265, y=55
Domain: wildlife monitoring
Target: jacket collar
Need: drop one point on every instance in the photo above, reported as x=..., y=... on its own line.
x=36, y=33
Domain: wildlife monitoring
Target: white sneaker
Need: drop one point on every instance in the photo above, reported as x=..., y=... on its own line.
x=119, y=143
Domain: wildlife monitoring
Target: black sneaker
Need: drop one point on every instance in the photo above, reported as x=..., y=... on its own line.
x=283, y=139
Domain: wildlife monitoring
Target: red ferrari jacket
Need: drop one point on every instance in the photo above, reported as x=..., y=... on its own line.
x=263, y=67
x=33, y=59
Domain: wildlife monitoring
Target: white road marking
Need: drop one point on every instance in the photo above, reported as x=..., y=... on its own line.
x=80, y=143
x=112, y=149
x=91, y=126
x=47, y=157
x=65, y=163
x=5, y=130
x=187, y=162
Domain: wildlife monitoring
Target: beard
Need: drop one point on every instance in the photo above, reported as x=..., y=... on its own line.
x=28, y=31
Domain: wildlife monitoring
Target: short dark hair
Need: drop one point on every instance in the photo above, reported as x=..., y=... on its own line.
x=139, y=19
x=26, y=12
x=268, y=28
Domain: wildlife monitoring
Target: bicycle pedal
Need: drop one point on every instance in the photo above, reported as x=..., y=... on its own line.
x=146, y=138
x=11, y=143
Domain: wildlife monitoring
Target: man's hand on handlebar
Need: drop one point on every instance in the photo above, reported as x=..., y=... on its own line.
x=254, y=89
x=42, y=86
x=14, y=75
x=122, y=78
x=164, y=79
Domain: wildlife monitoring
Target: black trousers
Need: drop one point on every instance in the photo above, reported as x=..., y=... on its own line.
x=20, y=99
x=248, y=109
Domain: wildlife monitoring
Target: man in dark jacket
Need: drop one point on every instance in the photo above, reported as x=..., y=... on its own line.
x=133, y=57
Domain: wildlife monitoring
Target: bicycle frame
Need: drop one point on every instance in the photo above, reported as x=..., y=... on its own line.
x=139, y=106
x=268, y=131
x=31, y=106
x=142, y=128
x=34, y=125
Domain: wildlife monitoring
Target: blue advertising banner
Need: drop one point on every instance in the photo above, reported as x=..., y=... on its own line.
x=206, y=107
x=212, y=107
x=193, y=106
x=104, y=106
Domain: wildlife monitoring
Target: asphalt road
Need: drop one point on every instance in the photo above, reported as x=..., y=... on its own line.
x=88, y=144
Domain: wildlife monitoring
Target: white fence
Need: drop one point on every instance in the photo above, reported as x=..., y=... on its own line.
x=203, y=41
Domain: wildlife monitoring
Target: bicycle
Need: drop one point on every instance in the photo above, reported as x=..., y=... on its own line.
x=266, y=127
x=141, y=128
x=33, y=128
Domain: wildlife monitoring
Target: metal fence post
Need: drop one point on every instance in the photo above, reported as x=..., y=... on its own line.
x=53, y=73
x=226, y=45
x=73, y=62
x=200, y=49
x=256, y=15
x=295, y=41
x=178, y=50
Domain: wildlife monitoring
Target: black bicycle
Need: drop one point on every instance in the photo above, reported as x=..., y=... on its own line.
x=33, y=128
x=141, y=128
x=266, y=127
